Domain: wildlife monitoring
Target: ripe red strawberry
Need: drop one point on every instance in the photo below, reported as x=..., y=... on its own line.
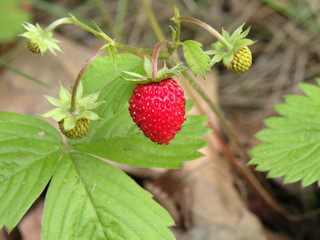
x=158, y=109
x=80, y=129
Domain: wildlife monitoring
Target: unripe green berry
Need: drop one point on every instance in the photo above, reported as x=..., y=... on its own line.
x=241, y=61
x=79, y=131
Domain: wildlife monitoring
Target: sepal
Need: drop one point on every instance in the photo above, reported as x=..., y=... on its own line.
x=163, y=73
x=237, y=41
x=62, y=112
x=39, y=40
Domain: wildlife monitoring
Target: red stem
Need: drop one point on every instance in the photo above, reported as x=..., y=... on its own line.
x=155, y=58
x=73, y=106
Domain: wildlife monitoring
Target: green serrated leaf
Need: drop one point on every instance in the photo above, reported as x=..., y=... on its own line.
x=29, y=151
x=291, y=145
x=196, y=58
x=117, y=138
x=90, y=199
x=311, y=90
x=116, y=92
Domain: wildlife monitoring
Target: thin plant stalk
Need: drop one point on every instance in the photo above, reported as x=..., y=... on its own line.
x=13, y=69
x=155, y=58
x=206, y=26
x=73, y=106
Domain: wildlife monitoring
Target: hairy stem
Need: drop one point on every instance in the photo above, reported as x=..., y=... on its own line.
x=105, y=38
x=155, y=58
x=73, y=106
x=57, y=23
x=206, y=26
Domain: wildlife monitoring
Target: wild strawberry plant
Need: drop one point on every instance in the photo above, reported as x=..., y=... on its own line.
x=87, y=197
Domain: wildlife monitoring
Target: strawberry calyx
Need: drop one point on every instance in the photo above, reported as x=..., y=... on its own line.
x=40, y=40
x=235, y=53
x=68, y=119
x=163, y=73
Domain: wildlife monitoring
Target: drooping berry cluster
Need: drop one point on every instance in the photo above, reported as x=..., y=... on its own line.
x=158, y=109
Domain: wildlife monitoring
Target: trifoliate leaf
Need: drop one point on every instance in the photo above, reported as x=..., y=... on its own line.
x=91, y=199
x=29, y=151
x=291, y=145
x=196, y=58
x=117, y=138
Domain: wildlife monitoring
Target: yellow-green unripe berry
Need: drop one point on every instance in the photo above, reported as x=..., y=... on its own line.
x=79, y=131
x=241, y=61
